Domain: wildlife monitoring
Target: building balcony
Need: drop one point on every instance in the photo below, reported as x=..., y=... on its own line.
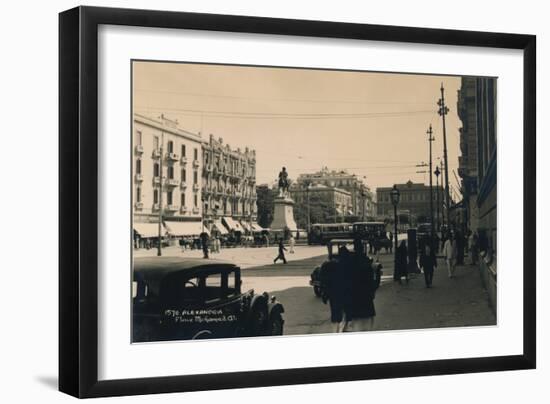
x=139, y=149
x=183, y=184
x=183, y=160
x=172, y=157
x=208, y=168
x=172, y=182
x=156, y=180
x=156, y=154
x=156, y=206
x=183, y=209
x=195, y=187
x=196, y=163
x=171, y=208
x=139, y=177
x=138, y=205
x=196, y=210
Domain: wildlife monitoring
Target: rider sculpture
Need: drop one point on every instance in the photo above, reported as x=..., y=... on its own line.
x=283, y=183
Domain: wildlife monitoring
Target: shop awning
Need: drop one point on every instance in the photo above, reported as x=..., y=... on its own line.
x=185, y=228
x=219, y=227
x=147, y=230
x=232, y=224
x=245, y=225
x=257, y=227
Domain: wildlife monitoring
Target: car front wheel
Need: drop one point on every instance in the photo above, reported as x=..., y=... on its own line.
x=317, y=291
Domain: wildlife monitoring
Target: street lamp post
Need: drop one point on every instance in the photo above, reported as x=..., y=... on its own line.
x=437, y=172
x=443, y=110
x=430, y=140
x=395, y=195
x=159, y=247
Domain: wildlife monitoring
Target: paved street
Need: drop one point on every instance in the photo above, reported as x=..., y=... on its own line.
x=451, y=302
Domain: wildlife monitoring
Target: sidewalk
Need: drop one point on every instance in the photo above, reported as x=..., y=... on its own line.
x=461, y=301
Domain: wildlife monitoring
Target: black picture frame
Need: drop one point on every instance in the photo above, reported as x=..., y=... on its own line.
x=78, y=196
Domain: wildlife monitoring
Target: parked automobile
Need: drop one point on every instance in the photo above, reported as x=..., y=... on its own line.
x=182, y=298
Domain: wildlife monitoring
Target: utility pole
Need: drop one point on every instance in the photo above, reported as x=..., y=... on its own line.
x=429, y=132
x=443, y=110
x=159, y=247
x=437, y=172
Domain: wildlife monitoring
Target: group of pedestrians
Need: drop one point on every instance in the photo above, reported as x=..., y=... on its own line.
x=348, y=284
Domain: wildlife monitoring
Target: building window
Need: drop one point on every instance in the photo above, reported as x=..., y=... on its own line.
x=183, y=174
x=156, y=170
x=139, y=138
x=170, y=172
x=156, y=142
x=196, y=154
x=182, y=199
x=169, y=198
x=195, y=177
x=182, y=150
x=195, y=200
x=156, y=196
x=170, y=146
x=138, y=194
x=138, y=166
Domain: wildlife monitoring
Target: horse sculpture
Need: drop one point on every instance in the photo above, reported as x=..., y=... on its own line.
x=283, y=182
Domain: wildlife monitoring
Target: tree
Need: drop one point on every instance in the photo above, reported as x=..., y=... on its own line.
x=265, y=204
x=321, y=210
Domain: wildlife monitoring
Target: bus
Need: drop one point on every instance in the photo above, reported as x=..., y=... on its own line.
x=321, y=233
x=369, y=230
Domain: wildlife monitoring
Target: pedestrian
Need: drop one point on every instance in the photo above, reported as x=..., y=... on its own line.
x=336, y=287
x=401, y=265
x=292, y=243
x=281, y=254
x=449, y=252
x=364, y=285
x=182, y=244
x=428, y=262
x=474, y=248
x=204, y=244
x=266, y=240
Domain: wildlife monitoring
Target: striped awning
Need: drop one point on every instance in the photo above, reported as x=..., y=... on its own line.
x=219, y=227
x=185, y=228
x=147, y=230
x=232, y=224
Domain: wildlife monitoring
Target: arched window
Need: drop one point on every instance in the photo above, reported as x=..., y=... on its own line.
x=170, y=146
x=138, y=194
x=138, y=166
x=156, y=196
x=156, y=170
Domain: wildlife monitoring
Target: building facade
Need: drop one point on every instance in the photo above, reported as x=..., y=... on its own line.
x=166, y=166
x=478, y=111
x=228, y=182
x=415, y=200
x=327, y=204
x=362, y=203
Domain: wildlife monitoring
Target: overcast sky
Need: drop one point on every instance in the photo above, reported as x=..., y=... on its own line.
x=370, y=124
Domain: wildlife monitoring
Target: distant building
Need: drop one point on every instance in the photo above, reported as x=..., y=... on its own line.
x=362, y=204
x=327, y=204
x=415, y=200
x=165, y=163
x=228, y=184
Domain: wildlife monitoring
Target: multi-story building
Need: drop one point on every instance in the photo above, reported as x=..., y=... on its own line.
x=362, y=204
x=415, y=199
x=166, y=167
x=228, y=184
x=327, y=204
x=467, y=161
x=477, y=111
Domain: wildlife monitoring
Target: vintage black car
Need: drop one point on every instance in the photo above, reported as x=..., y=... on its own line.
x=182, y=298
x=333, y=247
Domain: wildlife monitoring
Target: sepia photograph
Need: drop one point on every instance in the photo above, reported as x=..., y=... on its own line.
x=278, y=201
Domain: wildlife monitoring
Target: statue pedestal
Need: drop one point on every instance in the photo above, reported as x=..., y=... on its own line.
x=283, y=214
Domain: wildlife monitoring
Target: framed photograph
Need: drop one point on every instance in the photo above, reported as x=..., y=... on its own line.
x=250, y=201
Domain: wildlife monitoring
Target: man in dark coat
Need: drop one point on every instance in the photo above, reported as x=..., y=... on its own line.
x=364, y=285
x=336, y=284
x=428, y=263
x=281, y=255
x=204, y=244
x=401, y=265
